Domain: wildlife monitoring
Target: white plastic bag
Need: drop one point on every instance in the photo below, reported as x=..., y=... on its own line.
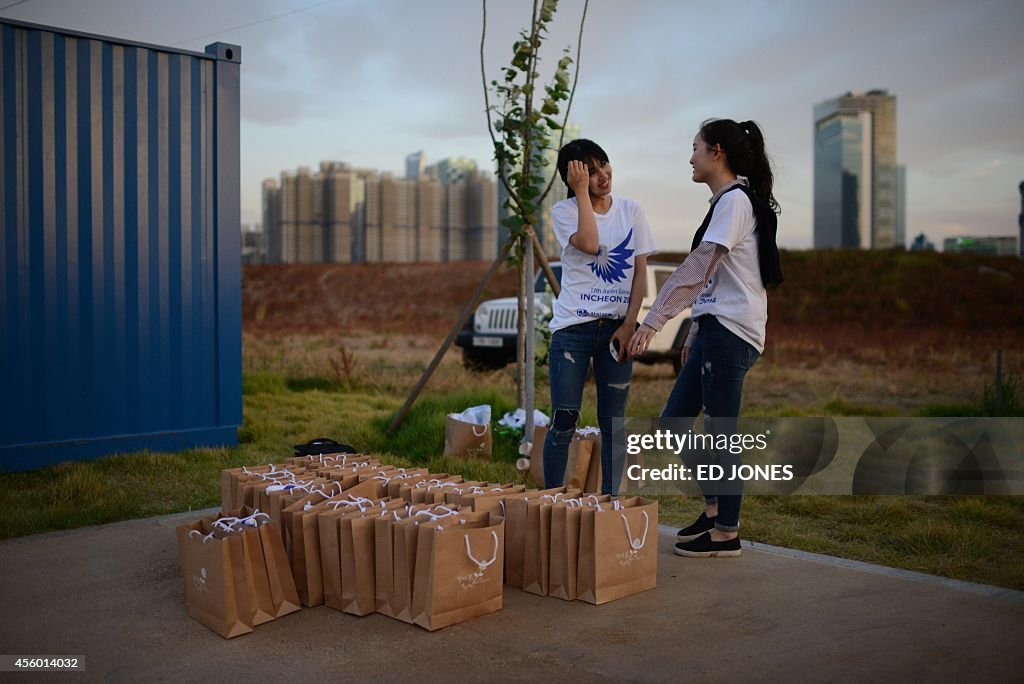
x=517, y=419
x=477, y=415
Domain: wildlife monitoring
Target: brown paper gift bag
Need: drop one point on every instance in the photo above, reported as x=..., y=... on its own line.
x=304, y=533
x=358, y=567
x=266, y=564
x=284, y=597
x=618, y=550
x=403, y=558
x=593, y=483
x=488, y=502
x=514, y=510
x=333, y=549
x=265, y=559
x=330, y=550
x=430, y=491
x=565, y=540
x=486, y=498
x=384, y=567
x=217, y=591
x=537, y=549
x=540, y=433
x=578, y=464
x=256, y=574
x=232, y=478
x=458, y=570
x=406, y=535
x=584, y=448
x=466, y=440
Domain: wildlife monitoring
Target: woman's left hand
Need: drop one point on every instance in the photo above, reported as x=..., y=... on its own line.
x=622, y=335
x=641, y=339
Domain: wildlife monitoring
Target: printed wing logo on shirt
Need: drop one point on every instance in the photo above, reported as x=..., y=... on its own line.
x=611, y=266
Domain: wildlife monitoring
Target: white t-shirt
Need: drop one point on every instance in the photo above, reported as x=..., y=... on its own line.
x=598, y=286
x=735, y=294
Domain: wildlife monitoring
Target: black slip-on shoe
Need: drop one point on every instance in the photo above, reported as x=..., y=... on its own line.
x=702, y=525
x=705, y=547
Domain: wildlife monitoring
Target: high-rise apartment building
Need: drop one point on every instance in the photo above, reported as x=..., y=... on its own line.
x=391, y=219
x=301, y=228
x=254, y=248
x=344, y=199
x=415, y=164
x=451, y=170
x=431, y=232
x=272, y=221
x=857, y=198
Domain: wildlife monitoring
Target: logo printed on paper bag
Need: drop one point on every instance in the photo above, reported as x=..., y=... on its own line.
x=473, y=579
x=627, y=557
x=200, y=580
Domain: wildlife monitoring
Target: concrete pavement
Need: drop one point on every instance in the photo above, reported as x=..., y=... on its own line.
x=113, y=594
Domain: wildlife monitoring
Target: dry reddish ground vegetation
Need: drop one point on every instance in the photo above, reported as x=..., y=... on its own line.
x=850, y=291
x=418, y=299
x=896, y=330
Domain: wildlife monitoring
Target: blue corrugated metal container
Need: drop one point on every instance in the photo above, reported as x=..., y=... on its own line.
x=120, y=293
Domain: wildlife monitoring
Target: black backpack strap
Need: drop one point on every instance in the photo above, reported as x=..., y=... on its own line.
x=766, y=225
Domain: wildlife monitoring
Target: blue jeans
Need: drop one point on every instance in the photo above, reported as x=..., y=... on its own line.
x=572, y=350
x=712, y=381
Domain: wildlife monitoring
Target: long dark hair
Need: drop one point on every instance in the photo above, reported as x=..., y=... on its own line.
x=743, y=144
x=581, y=149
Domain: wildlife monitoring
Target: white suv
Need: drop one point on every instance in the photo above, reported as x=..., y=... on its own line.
x=488, y=340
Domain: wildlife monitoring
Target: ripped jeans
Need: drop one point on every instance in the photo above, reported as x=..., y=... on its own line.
x=572, y=349
x=712, y=381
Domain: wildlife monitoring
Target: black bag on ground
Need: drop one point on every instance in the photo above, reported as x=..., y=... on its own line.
x=323, y=445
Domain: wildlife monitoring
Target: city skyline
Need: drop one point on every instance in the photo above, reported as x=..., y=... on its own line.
x=370, y=82
x=443, y=212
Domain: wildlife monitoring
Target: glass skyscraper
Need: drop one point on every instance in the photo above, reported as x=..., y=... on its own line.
x=857, y=184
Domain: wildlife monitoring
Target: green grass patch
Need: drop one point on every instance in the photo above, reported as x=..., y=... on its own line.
x=972, y=538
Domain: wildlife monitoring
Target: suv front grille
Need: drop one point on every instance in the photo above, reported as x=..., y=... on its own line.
x=502, y=319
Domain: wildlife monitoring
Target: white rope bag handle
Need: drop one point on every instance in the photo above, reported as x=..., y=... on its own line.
x=636, y=543
x=478, y=434
x=483, y=565
x=434, y=516
x=200, y=535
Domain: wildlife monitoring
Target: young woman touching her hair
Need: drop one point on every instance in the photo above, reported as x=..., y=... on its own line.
x=605, y=241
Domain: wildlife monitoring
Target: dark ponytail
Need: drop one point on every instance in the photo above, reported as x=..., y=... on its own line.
x=743, y=144
x=581, y=149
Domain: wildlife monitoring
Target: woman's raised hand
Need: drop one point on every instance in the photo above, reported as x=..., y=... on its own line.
x=578, y=176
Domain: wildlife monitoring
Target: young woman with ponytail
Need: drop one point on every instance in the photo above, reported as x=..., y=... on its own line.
x=733, y=260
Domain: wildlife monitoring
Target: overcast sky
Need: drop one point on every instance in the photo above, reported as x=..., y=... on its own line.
x=369, y=81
